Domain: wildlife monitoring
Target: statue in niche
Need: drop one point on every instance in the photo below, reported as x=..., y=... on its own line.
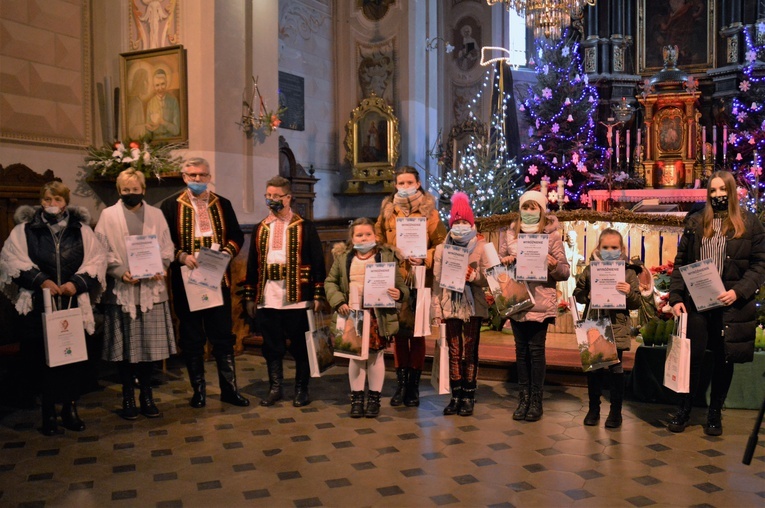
x=467, y=54
x=375, y=73
x=154, y=23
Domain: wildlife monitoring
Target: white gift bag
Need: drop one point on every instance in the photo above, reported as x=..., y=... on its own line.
x=422, y=313
x=677, y=366
x=439, y=376
x=64, y=336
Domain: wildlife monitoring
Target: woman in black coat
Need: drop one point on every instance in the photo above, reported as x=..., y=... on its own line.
x=735, y=240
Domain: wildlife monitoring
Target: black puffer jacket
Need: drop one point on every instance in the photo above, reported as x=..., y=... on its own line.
x=57, y=259
x=743, y=272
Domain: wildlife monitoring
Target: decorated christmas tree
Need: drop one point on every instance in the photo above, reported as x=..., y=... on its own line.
x=485, y=172
x=746, y=140
x=559, y=110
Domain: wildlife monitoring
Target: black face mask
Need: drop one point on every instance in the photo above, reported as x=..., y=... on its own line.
x=275, y=205
x=719, y=203
x=131, y=200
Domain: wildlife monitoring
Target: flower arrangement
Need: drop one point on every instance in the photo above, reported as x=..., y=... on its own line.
x=152, y=161
x=662, y=275
x=256, y=116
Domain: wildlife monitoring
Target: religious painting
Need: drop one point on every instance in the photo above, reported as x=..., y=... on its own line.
x=688, y=24
x=466, y=38
x=153, y=95
x=292, y=98
x=373, y=135
x=375, y=10
x=669, y=126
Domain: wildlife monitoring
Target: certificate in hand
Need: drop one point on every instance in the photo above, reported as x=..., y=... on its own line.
x=412, y=236
x=212, y=267
x=704, y=283
x=454, y=265
x=200, y=297
x=531, y=262
x=603, y=277
x=144, y=258
x=378, y=279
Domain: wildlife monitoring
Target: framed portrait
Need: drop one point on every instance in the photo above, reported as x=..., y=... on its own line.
x=292, y=97
x=669, y=130
x=372, y=140
x=467, y=41
x=688, y=24
x=154, y=95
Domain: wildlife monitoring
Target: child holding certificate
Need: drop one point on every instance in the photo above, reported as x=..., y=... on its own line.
x=344, y=286
x=734, y=240
x=530, y=326
x=463, y=309
x=610, y=248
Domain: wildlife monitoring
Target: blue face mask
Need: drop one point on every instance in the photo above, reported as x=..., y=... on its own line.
x=197, y=188
x=610, y=255
x=406, y=193
x=365, y=247
x=530, y=217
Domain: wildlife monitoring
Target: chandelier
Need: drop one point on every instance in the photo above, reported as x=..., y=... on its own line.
x=547, y=18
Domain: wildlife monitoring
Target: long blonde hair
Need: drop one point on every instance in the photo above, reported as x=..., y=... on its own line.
x=542, y=219
x=735, y=219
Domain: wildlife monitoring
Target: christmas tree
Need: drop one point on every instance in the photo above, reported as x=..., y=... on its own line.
x=559, y=110
x=747, y=137
x=484, y=171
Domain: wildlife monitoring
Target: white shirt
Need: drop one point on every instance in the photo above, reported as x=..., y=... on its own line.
x=275, y=291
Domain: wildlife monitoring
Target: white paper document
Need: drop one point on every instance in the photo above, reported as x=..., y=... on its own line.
x=454, y=265
x=412, y=236
x=531, y=261
x=603, y=278
x=704, y=283
x=212, y=267
x=378, y=279
x=200, y=297
x=144, y=258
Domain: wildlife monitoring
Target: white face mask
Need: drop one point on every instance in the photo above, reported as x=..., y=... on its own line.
x=52, y=210
x=406, y=193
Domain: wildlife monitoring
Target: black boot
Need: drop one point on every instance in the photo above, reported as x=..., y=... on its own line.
x=614, y=420
x=129, y=409
x=454, y=403
x=714, y=418
x=146, y=397
x=196, y=367
x=523, y=404
x=302, y=376
x=357, y=404
x=679, y=420
x=275, y=379
x=229, y=392
x=69, y=417
x=467, y=402
x=412, y=395
x=49, y=420
x=594, y=390
x=398, y=395
x=373, y=405
x=535, y=405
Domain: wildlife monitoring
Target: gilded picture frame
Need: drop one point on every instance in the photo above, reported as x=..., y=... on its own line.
x=153, y=98
x=689, y=24
x=372, y=142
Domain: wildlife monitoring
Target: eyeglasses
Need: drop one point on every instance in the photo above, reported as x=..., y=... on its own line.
x=274, y=196
x=194, y=176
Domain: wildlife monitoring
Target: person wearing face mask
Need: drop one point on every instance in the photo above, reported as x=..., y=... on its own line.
x=52, y=247
x=346, y=275
x=285, y=277
x=409, y=200
x=200, y=218
x=610, y=248
x=735, y=240
x=138, y=327
x=462, y=312
x=530, y=326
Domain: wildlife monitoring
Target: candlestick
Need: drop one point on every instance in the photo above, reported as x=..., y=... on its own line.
x=561, y=192
x=454, y=154
x=617, y=147
x=704, y=144
x=725, y=143
x=628, y=147
x=714, y=144
x=543, y=187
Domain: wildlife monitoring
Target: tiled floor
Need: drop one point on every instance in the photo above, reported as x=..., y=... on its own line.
x=317, y=456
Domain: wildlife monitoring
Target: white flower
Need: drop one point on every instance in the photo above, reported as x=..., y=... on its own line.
x=555, y=127
x=135, y=153
x=741, y=117
x=751, y=56
x=565, y=51
x=546, y=93
x=118, y=151
x=744, y=86
x=732, y=138
x=146, y=157
x=533, y=169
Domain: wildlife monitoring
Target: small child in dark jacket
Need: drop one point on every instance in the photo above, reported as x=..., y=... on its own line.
x=610, y=248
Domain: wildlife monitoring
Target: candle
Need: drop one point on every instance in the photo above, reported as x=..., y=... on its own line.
x=704, y=143
x=454, y=154
x=714, y=144
x=543, y=187
x=617, y=147
x=561, y=183
x=628, y=147
x=725, y=142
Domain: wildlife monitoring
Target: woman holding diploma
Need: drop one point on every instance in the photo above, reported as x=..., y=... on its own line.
x=462, y=311
x=52, y=250
x=344, y=287
x=610, y=248
x=138, y=328
x=530, y=326
x=409, y=200
x=735, y=240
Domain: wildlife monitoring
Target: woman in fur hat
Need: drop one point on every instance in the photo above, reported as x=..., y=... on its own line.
x=409, y=200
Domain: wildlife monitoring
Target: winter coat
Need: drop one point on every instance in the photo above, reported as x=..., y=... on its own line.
x=743, y=271
x=442, y=305
x=545, y=293
x=385, y=228
x=620, y=318
x=337, y=285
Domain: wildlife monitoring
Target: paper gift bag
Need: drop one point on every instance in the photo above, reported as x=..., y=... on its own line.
x=352, y=335
x=677, y=365
x=439, y=376
x=510, y=296
x=422, y=313
x=597, y=347
x=320, y=343
x=64, y=337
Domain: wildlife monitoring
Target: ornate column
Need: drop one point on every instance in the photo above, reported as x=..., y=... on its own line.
x=732, y=11
x=617, y=36
x=590, y=44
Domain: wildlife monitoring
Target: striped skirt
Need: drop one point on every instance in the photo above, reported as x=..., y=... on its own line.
x=147, y=338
